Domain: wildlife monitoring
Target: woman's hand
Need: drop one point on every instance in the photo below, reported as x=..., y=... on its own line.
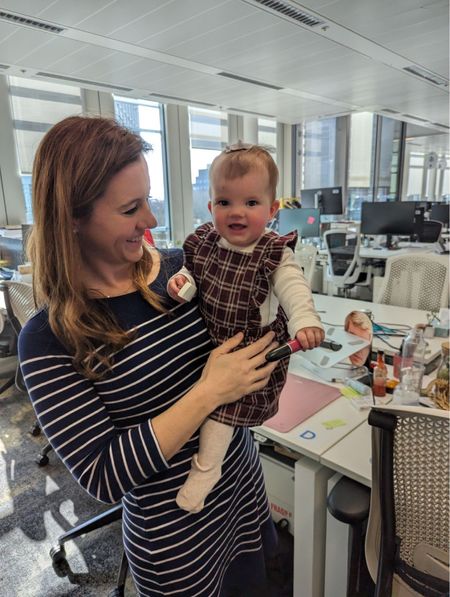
x=230, y=374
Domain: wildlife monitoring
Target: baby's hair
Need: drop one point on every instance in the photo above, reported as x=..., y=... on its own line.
x=237, y=160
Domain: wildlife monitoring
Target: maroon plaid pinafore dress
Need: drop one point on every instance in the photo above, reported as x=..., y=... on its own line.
x=231, y=288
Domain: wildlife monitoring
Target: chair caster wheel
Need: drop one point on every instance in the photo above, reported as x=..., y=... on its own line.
x=116, y=592
x=42, y=460
x=58, y=554
x=35, y=430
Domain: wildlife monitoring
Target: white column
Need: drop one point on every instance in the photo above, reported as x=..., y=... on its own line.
x=250, y=129
x=179, y=172
x=99, y=103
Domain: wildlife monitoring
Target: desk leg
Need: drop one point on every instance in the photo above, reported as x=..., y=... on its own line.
x=311, y=487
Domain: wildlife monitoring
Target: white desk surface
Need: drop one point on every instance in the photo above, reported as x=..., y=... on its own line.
x=333, y=309
x=352, y=455
x=313, y=437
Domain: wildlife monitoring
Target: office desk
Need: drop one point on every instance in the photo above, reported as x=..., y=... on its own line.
x=334, y=309
x=344, y=448
x=352, y=455
x=383, y=253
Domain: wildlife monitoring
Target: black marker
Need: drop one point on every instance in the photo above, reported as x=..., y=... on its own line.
x=294, y=345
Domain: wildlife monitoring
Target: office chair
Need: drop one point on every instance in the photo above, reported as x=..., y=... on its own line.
x=58, y=552
x=20, y=307
x=430, y=231
x=407, y=541
x=344, y=264
x=415, y=281
x=306, y=257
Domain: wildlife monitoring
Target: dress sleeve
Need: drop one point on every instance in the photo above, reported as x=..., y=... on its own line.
x=105, y=461
x=294, y=294
x=193, y=242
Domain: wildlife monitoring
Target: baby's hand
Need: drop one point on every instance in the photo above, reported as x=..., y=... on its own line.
x=174, y=286
x=310, y=337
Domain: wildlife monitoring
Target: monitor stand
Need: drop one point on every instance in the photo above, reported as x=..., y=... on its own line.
x=390, y=244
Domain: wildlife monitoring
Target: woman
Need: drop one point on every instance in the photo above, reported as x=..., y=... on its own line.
x=121, y=377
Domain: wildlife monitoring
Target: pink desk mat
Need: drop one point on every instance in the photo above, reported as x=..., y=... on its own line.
x=300, y=399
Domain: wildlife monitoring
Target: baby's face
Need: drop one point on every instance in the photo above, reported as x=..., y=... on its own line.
x=242, y=207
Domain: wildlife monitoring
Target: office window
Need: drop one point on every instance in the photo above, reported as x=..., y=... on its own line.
x=361, y=162
x=427, y=167
x=388, y=160
x=316, y=149
x=147, y=119
x=208, y=131
x=36, y=106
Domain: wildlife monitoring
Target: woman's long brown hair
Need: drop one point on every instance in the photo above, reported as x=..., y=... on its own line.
x=73, y=165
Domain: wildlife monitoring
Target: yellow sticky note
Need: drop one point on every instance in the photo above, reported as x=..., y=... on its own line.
x=333, y=423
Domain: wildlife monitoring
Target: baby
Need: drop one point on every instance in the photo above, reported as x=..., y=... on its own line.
x=247, y=280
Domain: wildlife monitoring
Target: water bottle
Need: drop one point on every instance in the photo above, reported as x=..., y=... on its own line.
x=411, y=368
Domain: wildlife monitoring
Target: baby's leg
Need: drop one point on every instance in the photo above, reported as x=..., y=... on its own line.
x=206, y=466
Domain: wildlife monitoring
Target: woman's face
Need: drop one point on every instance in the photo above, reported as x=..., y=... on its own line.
x=114, y=231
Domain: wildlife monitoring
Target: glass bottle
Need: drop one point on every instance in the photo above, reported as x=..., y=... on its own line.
x=380, y=376
x=413, y=357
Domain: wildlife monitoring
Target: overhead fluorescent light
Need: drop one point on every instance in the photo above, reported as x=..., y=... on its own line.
x=17, y=19
x=418, y=71
x=84, y=81
x=288, y=10
x=251, y=81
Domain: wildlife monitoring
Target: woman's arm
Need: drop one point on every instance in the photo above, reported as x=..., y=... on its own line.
x=227, y=376
x=106, y=461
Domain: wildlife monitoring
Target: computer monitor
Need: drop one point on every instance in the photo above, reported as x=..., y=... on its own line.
x=328, y=200
x=390, y=218
x=305, y=221
x=440, y=212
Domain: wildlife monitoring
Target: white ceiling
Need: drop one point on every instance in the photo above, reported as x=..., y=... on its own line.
x=353, y=61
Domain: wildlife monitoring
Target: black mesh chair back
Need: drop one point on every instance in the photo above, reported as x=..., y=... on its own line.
x=430, y=232
x=407, y=541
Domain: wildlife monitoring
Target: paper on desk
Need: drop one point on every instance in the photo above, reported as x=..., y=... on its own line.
x=333, y=423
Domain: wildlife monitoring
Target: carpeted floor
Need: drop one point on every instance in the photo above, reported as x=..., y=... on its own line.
x=37, y=504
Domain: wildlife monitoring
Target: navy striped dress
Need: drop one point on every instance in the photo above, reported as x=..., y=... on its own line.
x=103, y=432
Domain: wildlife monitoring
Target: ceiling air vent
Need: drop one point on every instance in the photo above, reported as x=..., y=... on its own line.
x=20, y=20
x=180, y=99
x=85, y=81
x=4, y=66
x=427, y=75
x=252, y=81
x=389, y=111
x=289, y=10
